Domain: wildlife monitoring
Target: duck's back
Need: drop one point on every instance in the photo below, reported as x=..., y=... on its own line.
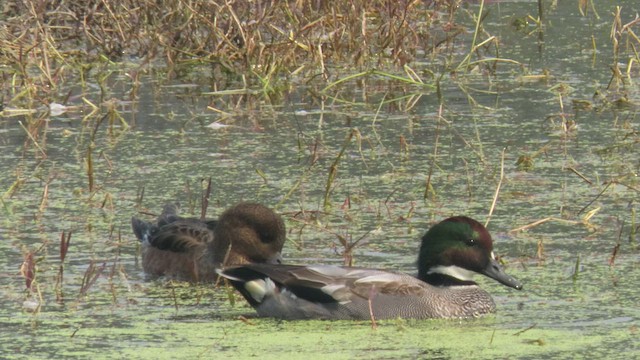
x=331, y=292
x=175, y=246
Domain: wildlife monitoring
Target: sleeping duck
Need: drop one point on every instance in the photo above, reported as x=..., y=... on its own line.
x=191, y=249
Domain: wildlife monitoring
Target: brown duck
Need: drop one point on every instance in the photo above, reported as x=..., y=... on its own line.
x=191, y=249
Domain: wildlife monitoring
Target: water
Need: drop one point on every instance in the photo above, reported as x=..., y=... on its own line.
x=279, y=151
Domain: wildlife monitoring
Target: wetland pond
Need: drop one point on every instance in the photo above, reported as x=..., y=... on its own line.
x=563, y=132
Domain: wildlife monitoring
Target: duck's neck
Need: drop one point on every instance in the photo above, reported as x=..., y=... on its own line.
x=446, y=280
x=447, y=276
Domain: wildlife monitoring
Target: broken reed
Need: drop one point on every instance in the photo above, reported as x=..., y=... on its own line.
x=333, y=169
x=90, y=276
x=28, y=270
x=204, y=198
x=65, y=240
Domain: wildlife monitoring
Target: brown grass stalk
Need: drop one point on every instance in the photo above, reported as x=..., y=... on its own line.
x=497, y=192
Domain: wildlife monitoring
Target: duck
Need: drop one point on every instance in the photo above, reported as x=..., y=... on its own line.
x=451, y=252
x=190, y=249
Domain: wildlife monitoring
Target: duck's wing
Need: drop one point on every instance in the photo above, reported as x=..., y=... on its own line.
x=172, y=232
x=182, y=235
x=388, y=283
x=343, y=284
x=320, y=283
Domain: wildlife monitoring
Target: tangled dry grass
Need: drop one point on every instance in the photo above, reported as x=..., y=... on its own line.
x=266, y=37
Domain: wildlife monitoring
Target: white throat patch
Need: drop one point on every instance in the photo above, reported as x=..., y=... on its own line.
x=453, y=271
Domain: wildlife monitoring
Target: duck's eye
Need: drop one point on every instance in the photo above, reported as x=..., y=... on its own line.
x=471, y=241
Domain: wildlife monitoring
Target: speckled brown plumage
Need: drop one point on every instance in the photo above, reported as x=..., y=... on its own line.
x=191, y=249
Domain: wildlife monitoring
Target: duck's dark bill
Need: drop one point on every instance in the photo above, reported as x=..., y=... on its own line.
x=495, y=271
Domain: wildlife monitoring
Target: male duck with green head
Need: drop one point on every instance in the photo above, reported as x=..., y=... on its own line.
x=452, y=251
